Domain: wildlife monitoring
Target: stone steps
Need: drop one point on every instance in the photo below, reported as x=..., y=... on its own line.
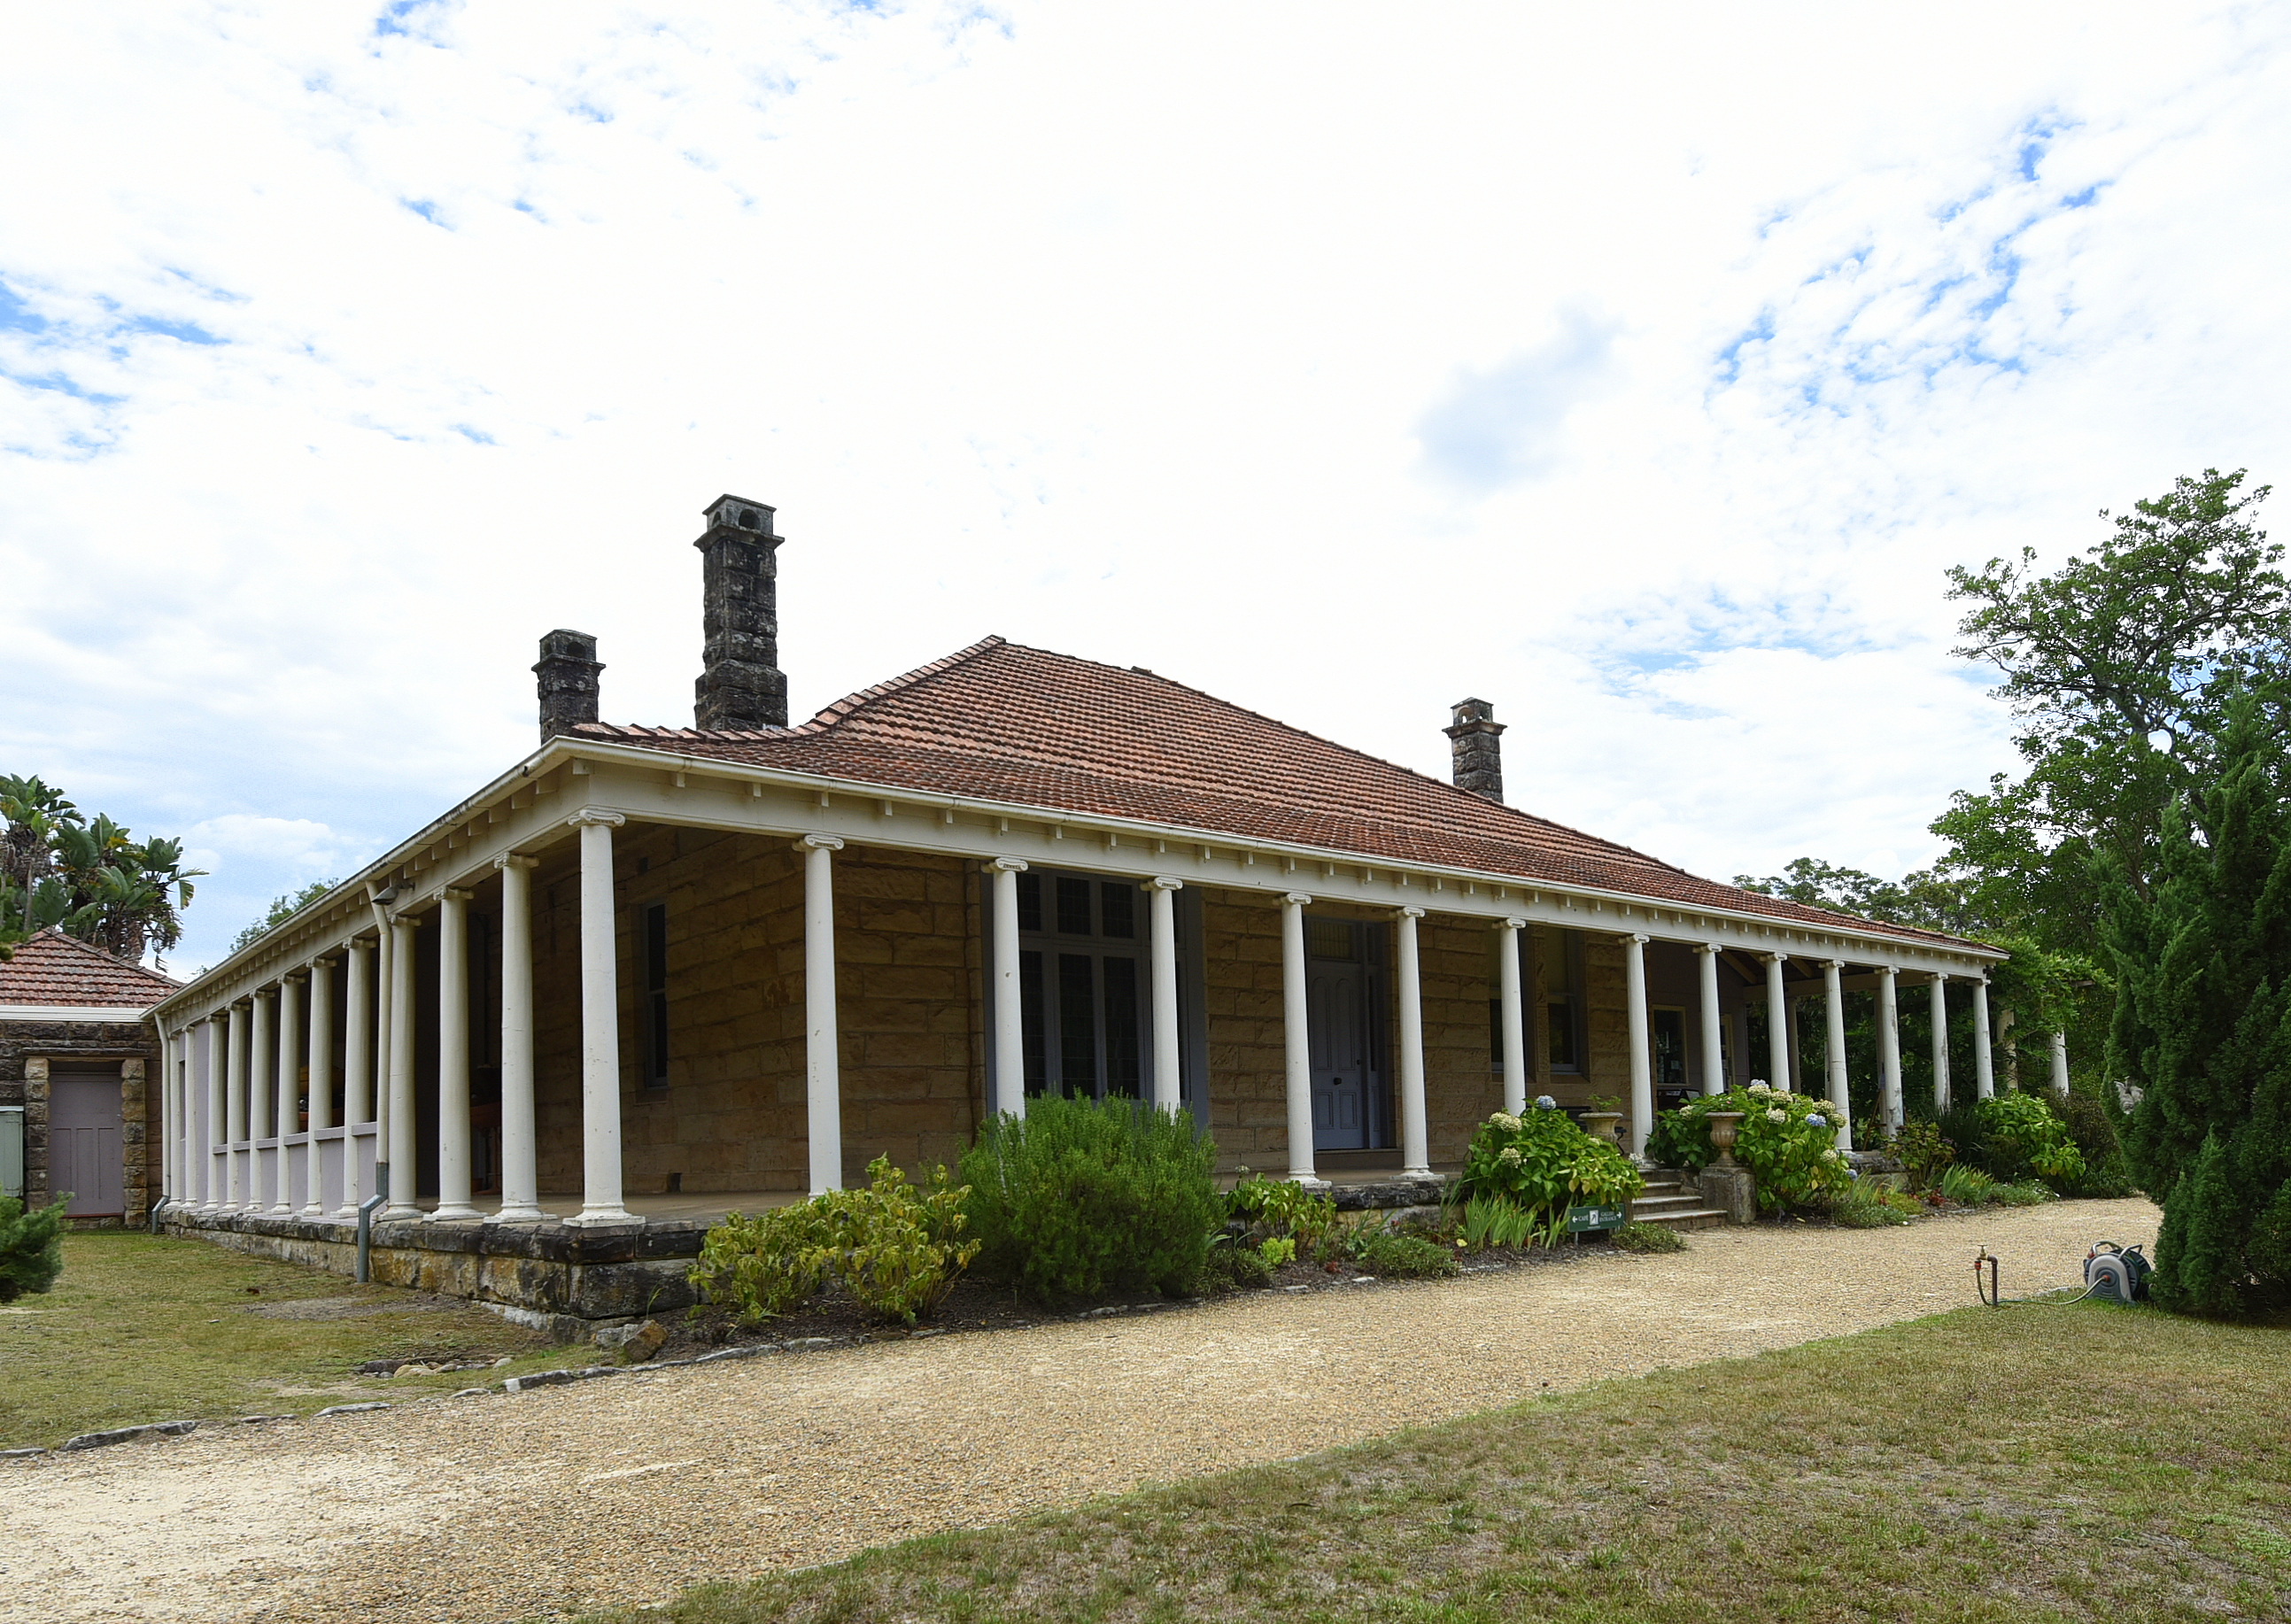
x=1670, y=1201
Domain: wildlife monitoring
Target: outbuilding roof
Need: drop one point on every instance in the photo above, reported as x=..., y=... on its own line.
x=53, y=969
x=1001, y=721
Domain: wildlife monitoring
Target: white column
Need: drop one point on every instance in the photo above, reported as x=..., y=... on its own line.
x=1162, y=893
x=1415, y=1140
x=2059, y=1065
x=823, y=1064
x=520, y=1181
x=1009, y=1008
x=261, y=1114
x=1834, y=1008
x=288, y=1092
x=1984, y=1062
x=1778, y=1023
x=1937, y=990
x=453, y=1204
x=358, y=1064
x=1714, y=1049
x=1296, y=1037
x=399, y=1119
x=166, y=1120
x=217, y=1126
x=322, y=1082
x=1641, y=1053
x=235, y=1114
x=1889, y=1048
x=385, y=1008
x=600, y=1024
x=1514, y=1013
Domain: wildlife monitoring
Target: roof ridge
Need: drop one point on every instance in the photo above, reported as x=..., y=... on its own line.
x=1352, y=751
x=842, y=708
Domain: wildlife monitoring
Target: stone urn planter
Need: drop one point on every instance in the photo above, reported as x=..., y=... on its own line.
x=1724, y=1126
x=1603, y=1124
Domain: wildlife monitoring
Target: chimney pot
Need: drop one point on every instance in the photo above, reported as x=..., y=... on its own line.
x=1475, y=747
x=741, y=685
x=566, y=675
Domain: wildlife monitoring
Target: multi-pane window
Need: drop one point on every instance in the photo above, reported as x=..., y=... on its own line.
x=1082, y=985
x=1563, y=996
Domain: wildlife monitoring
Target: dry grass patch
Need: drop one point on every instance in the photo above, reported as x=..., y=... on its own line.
x=152, y=1327
x=2027, y=1464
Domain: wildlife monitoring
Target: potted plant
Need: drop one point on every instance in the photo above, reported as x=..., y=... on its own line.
x=1603, y=1118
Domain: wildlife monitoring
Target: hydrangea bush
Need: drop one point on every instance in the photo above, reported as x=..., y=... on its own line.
x=1787, y=1141
x=1543, y=1164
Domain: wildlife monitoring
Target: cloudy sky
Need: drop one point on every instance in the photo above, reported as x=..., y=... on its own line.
x=1639, y=369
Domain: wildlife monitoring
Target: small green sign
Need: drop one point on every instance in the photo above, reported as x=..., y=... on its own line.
x=1584, y=1220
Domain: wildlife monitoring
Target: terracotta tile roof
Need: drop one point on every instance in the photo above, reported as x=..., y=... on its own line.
x=1005, y=722
x=55, y=969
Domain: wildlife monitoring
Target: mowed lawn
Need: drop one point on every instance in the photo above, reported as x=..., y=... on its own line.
x=145, y=1328
x=2029, y=1463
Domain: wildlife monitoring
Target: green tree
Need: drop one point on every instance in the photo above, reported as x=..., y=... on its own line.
x=2116, y=666
x=90, y=876
x=2202, y=1027
x=282, y=909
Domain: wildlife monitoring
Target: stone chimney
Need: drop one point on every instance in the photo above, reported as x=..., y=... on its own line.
x=567, y=679
x=741, y=684
x=1475, y=741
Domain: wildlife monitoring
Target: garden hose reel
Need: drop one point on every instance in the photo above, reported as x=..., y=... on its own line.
x=2113, y=1274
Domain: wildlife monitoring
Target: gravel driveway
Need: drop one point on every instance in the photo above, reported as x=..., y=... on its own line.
x=545, y=1503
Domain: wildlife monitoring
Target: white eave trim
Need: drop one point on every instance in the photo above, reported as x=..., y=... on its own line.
x=109, y=1014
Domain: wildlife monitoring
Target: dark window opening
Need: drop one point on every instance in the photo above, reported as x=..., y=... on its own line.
x=655, y=1002
x=1082, y=1002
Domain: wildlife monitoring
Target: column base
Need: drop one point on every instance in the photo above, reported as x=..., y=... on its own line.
x=519, y=1215
x=343, y=1215
x=459, y=1212
x=316, y=1210
x=1308, y=1180
x=393, y=1214
x=1419, y=1175
x=599, y=1217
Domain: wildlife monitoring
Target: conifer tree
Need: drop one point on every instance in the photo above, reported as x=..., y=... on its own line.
x=2203, y=1021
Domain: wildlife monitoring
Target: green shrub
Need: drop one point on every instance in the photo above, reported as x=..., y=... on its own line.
x=2107, y=1171
x=1637, y=1237
x=1079, y=1198
x=1542, y=1163
x=1924, y=1152
x=1235, y=1268
x=895, y=1247
x=1278, y=1251
x=1787, y=1141
x=2027, y=1193
x=1282, y=1206
x=1406, y=1257
x=31, y=1246
x=1497, y=1220
x=1967, y=1185
x=1864, y=1203
x=2022, y=1137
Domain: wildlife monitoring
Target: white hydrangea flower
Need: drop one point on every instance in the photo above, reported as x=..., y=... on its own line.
x=1510, y=1157
x=1778, y=1115
x=1829, y=1155
x=1759, y=1086
x=1506, y=1120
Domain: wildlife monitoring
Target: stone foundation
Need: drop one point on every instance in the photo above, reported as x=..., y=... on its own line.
x=551, y=1274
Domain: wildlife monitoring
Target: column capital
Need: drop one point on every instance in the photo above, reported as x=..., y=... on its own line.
x=293, y=979
x=1005, y=865
x=1775, y=958
x=597, y=816
x=454, y=893
x=1163, y=883
x=516, y=859
x=1712, y=948
x=820, y=842
x=1833, y=964
x=323, y=963
x=406, y=920
x=1296, y=899
x=1639, y=937
x=1510, y=921
x=1412, y=912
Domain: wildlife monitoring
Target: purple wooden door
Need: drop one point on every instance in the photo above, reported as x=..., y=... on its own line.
x=83, y=1143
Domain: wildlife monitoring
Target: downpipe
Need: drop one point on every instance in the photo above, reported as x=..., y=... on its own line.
x=367, y=1210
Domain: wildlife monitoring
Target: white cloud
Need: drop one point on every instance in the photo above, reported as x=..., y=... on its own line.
x=1165, y=337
